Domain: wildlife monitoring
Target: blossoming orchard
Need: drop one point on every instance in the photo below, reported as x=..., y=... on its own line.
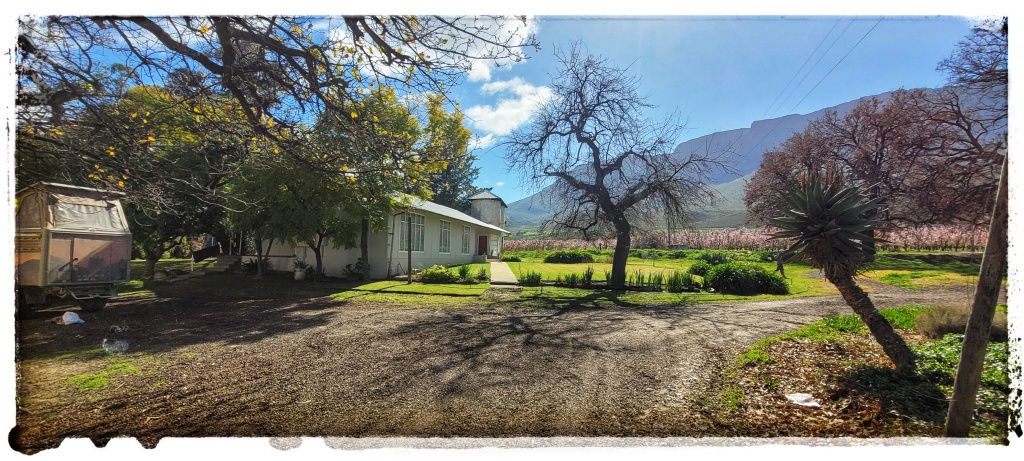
x=922, y=238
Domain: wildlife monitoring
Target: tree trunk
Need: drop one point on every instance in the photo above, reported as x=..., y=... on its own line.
x=151, y=266
x=892, y=343
x=972, y=356
x=621, y=256
x=259, y=257
x=318, y=252
x=364, y=248
x=152, y=256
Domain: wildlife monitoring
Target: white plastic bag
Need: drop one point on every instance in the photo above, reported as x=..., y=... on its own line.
x=805, y=400
x=71, y=318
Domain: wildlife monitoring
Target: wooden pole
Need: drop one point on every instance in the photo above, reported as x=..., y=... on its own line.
x=408, y=237
x=972, y=357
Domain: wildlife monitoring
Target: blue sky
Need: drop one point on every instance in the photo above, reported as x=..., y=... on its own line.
x=719, y=72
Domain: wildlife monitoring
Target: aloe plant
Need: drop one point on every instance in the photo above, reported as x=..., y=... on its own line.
x=830, y=229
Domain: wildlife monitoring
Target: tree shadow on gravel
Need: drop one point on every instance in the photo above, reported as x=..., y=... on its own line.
x=217, y=308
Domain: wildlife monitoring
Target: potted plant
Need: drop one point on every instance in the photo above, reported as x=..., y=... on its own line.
x=301, y=267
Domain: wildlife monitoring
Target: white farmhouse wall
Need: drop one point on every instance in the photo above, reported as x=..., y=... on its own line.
x=431, y=254
x=283, y=255
x=384, y=249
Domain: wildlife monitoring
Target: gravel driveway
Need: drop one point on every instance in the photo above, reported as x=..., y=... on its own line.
x=326, y=368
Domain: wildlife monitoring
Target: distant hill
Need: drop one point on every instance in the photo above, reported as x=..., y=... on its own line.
x=745, y=146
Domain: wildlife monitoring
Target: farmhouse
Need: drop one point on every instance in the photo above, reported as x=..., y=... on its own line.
x=440, y=235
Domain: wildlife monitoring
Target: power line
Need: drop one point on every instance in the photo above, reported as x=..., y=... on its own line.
x=819, y=81
x=811, y=69
x=801, y=67
x=838, y=63
x=814, y=66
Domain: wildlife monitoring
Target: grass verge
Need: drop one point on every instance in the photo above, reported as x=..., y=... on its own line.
x=859, y=392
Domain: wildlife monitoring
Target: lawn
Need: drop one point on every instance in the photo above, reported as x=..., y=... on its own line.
x=918, y=271
x=550, y=271
x=415, y=294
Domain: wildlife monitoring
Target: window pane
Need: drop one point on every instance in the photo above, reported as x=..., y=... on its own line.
x=445, y=244
x=418, y=233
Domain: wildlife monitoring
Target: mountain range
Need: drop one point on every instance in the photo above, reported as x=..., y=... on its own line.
x=746, y=147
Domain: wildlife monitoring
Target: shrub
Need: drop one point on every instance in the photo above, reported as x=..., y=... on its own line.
x=656, y=281
x=572, y=280
x=481, y=275
x=588, y=277
x=700, y=268
x=569, y=257
x=352, y=272
x=940, y=321
x=680, y=282
x=252, y=267
x=658, y=254
x=745, y=279
x=464, y=272
x=530, y=279
x=437, y=274
x=713, y=258
x=636, y=279
x=511, y=258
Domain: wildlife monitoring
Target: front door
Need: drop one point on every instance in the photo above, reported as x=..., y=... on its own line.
x=481, y=246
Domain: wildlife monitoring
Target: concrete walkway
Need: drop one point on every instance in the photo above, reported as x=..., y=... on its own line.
x=501, y=274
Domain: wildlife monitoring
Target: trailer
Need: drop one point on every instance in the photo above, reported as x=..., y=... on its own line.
x=69, y=241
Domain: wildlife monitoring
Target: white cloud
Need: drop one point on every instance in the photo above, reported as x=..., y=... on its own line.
x=506, y=30
x=499, y=184
x=482, y=143
x=510, y=112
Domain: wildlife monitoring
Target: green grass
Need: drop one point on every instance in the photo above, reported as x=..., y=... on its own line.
x=829, y=328
x=138, y=266
x=754, y=356
x=921, y=395
x=548, y=295
x=923, y=270
x=903, y=279
x=926, y=262
x=101, y=379
x=731, y=397
x=421, y=294
x=798, y=274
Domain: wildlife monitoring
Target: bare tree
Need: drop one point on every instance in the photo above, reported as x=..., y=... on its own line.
x=612, y=168
x=927, y=153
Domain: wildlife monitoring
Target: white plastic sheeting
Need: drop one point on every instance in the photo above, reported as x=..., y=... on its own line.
x=81, y=216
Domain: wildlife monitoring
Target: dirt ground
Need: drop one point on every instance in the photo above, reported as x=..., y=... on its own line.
x=201, y=367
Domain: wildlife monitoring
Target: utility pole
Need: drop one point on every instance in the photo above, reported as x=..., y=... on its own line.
x=972, y=357
x=408, y=245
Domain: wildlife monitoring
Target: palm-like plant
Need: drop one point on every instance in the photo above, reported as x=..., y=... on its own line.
x=831, y=231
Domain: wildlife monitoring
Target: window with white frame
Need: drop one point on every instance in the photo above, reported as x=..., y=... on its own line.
x=418, y=231
x=445, y=245
x=465, y=240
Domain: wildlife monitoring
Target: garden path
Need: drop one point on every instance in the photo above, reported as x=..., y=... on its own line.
x=501, y=274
